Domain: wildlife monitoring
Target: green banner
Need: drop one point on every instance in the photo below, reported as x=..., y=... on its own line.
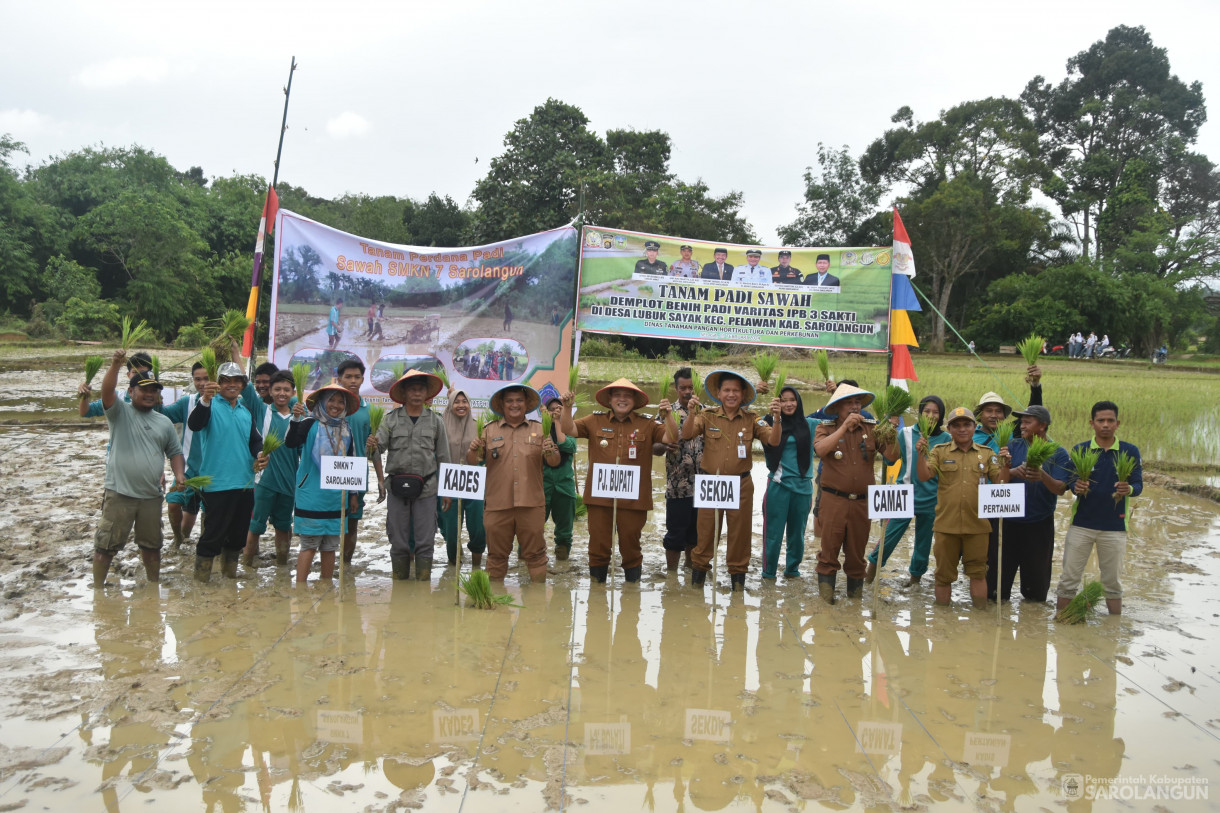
x=652, y=285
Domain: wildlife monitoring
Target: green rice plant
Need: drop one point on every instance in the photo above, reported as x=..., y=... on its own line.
x=198, y=483
x=573, y=378
x=92, y=365
x=131, y=336
x=582, y=510
x=300, y=377
x=893, y=401
x=400, y=369
x=547, y=423
x=156, y=367
x=440, y=373
x=211, y=364
x=1124, y=467
x=664, y=389
x=765, y=364
x=478, y=587
x=1040, y=451
x=271, y=442
x=481, y=422
x=925, y=424
x=781, y=379
x=1030, y=349
x=233, y=326
x=1083, y=463
x=1004, y=431
x=1083, y=604
x=823, y=360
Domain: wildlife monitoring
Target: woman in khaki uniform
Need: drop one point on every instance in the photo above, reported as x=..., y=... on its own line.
x=514, y=502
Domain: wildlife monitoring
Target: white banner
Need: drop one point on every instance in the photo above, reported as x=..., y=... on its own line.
x=345, y=473
x=717, y=491
x=1001, y=500
x=461, y=482
x=711, y=725
x=615, y=482
x=891, y=502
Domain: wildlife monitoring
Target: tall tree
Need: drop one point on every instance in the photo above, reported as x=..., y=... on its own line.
x=840, y=207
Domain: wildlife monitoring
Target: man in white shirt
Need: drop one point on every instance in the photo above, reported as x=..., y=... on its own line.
x=752, y=272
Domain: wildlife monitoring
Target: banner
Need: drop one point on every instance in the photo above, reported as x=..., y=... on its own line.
x=651, y=285
x=489, y=315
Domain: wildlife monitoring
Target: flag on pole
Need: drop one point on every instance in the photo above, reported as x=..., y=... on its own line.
x=270, y=207
x=904, y=260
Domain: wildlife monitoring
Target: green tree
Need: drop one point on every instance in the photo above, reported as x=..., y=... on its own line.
x=840, y=207
x=437, y=222
x=29, y=235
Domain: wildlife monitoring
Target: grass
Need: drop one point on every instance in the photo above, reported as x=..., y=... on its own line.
x=478, y=587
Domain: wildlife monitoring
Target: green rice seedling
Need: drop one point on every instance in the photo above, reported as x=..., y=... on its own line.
x=211, y=364
x=1083, y=462
x=478, y=587
x=925, y=424
x=547, y=422
x=664, y=389
x=271, y=442
x=1030, y=349
x=92, y=365
x=1083, y=604
x=1040, y=451
x=893, y=401
x=132, y=336
x=233, y=325
x=156, y=367
x=440, y=373
x=823, y=359
x=198, y=483
x=1124, y=467
x=573, y=378
x=1004, y=431
x=765, y=364
x=781, y=378
x=481, y=422
x=400, y=369
x=300, y=377
x=582, y=510
x=376, y=416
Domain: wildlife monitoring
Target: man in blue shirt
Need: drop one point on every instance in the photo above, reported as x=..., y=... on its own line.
x=1101, y=512
x=334, y=331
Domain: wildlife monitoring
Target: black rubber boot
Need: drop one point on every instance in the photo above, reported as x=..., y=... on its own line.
x=423, y=568
x=203, y=568
x=738, y=581
x=855, y=587
x=599, y=574
x=229, y=560
x=826, y=588
x=632, y=574
x=401, y=565
x=698, y=577
x=562, y=552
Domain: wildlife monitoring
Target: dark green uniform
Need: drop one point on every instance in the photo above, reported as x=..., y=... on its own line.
x=559, y=484
x=645, y=267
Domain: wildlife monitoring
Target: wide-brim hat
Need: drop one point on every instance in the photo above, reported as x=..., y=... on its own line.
x=992, y=398
x=532, y=399
x=603, y=395
x=351, y=398
x=398, y=388
x=711, y=385
x=842, y=393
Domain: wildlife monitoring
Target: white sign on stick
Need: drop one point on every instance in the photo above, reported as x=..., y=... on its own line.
x=461, y=482
x=717, y=491
x=345, y=473
x=891, y=502
x=1001, y=500
x=615, y=482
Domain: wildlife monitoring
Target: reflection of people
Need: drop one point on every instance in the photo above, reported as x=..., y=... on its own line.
x=650, y=265
x=554, y=315
x=333, y=330
x=823, y=275
x=718, y=268
x=784, y=272
x=685, y=267
x=752, y=272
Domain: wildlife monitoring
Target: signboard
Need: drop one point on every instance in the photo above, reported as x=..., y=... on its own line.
x=711, y=725
x=607, y=739
x=717, y=491
x=345, y=473
x=345, y=727
x=891, y=502
x=461, y=482
x=458, y=725
x=1001, y=500
x=884, y=739
x=615, y=482
x=986, y=749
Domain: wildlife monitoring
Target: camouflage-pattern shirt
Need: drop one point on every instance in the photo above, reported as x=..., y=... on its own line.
x=682, y=466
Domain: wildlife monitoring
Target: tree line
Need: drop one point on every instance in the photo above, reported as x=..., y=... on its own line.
x=1080, y=204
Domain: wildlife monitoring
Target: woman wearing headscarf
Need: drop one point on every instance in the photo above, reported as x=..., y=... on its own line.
x=321, y=431
x=925, y=495
x=789, y=486
x=460, y=430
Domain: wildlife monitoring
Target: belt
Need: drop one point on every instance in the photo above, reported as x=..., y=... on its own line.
x=843, y=494
x=744, y=475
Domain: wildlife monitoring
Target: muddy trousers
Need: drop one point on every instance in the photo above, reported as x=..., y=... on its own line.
x=563, y=508
x=411, y=518
x=784, y=510
x=526, y=524
x=1029, y=547
x=845, y=526
x=630, y=527
x=895, y=529
x=736, y=539
x=472, y=521
x=226, y=520
x=681, y=524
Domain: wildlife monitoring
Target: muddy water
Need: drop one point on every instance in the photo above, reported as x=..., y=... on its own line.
x=386, y=696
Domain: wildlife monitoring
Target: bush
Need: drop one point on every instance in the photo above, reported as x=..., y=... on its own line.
x=596, y=347
x=705, y=353
x=193, y=336
x=97, y=320
x=42, y=320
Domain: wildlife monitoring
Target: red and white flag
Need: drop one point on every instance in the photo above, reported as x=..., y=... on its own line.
x=904, y=260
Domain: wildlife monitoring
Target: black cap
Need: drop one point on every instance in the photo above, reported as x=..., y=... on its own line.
x=825, y=257
x=785, y=253
x=652, y=245
x=146, y=379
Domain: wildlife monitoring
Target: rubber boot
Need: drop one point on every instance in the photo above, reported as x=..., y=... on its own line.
x=855, y=587
x=401, y=566
x=423, y=568
x=826, y=587
x=476, y=561
x=632, y=574
x=673, y=558
x=562, y=552
x=229, y=559
x=599, y=574
x=698, y=577
x=203, y=568
x=870, y=572
x=738, y=581
x=281, y=551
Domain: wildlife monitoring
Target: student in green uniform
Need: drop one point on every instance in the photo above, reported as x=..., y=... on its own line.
x=350, y=374
x=275, y=487
x=559, y=482
x=789, y=486
x=183, y=505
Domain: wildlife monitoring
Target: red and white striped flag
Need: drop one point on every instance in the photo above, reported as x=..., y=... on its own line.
x=904, y=260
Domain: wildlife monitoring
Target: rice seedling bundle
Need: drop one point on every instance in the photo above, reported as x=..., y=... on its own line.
x=1124, y=467
x=573, y=378
x=480, y=423
x=440, y=373
x=300, y=377
x=1083, y=462
x=271, y=442
x=765, y=364
x=894, y=400
x=198, y=483
x=547, y=423
x=1083, y=605
x=1003, y=432
x=925, y=424
x=133, y=335
x=664, y=396
x=478, y=587
x=823, y=359
x=156, y=367
x=92, y=365
x=233, y=326
x=1040, y=451
x=1030, y=349
x=781, y=378
x=211, y=364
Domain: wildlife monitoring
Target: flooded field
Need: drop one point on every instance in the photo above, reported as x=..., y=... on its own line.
x=374, y=695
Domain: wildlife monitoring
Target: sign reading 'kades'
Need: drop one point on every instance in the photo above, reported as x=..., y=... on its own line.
x=345, y=473
x=461, y=482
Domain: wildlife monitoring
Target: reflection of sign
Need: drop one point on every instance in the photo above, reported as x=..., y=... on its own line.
x=717, y=491
x=891, y=502
x=621, y=482
x=345, y=473
x=461, y=482
x=986, y=749
x=340, y=726
x=607, y=739
x=884, y=739
x=708, y=724
x=1001, y=500
x=459, y=725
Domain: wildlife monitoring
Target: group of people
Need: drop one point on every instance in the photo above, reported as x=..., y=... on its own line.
x=1081, y=347
x=494, y=365
x=819, y=465
x=719, y=269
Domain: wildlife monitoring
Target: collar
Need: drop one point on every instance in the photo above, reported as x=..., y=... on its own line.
x=1093, y=444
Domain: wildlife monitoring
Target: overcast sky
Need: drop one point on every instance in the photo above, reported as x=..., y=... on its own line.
x=400, y=98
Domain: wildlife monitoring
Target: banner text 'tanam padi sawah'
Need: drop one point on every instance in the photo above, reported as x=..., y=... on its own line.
x=489, y=315
x=652, y=285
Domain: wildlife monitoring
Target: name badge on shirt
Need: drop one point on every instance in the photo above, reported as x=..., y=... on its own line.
x=741, y=451
x=631, y=453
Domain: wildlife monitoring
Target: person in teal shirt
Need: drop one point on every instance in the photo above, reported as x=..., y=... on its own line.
x=925, y=496
x=183, y=506
x=460, y=430
x=275, y=487
x=789, y=494
x=333, y=331
x=351, y=377
x=559, y=483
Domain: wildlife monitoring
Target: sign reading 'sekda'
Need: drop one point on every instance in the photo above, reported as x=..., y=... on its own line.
x=717, y=491
x=345, y=473
x=461, y=482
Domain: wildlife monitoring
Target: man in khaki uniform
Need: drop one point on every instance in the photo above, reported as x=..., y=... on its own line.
x=961, y=534
x=727, y=431
x=514, y=501
x=619, y=437
x=846, y=445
